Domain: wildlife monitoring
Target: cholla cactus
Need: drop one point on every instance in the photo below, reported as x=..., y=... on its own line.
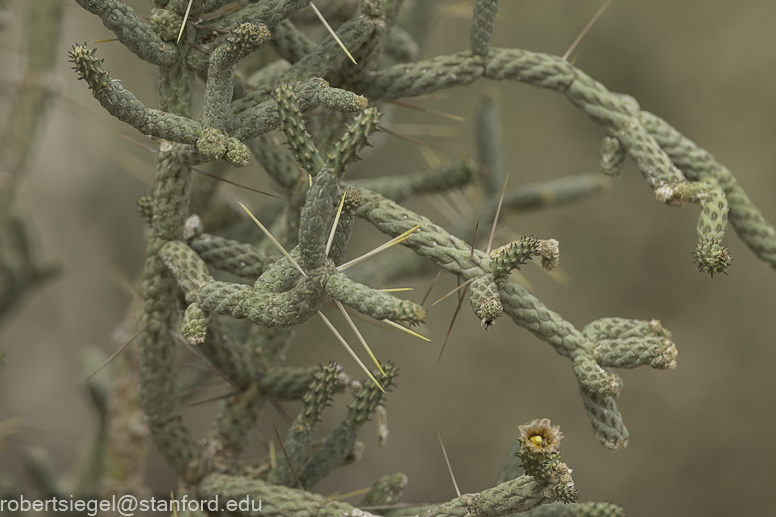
x=285, y=75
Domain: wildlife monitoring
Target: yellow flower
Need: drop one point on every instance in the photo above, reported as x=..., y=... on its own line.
x=540, y=437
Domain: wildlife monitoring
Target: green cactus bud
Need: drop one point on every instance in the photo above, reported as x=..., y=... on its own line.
x=387, y=490
x=237, y=153
x=485, y=300
x=212, y=143
x=511, y=256
x=145, y=207
x=194, y=325
x=166, y=23
x=612, y=157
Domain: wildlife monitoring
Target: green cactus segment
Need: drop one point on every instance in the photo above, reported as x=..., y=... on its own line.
x=353, y=141
x=298, y=442
x=340, y=443
x=227, y=354
x=577, y=510
x=556, y=192
x=234, y=257
x=387, y=490
x=157, y=349
x=453, y=255
x=318, y=395
x=651, y=142
x=299, y=140
x=145, y=207
x=268, y=12
x=657, y=352
x=430, y=241
x=239, y=301
x=618, y=114
x=399, y=45
x=131, y=30
x=377, y=304
x=485, y=300
x=274, y=500
x=710, y=254
x=265, y=78
x=594, y=379
x=281, y=277
x=697, y=164
x=237, y=153
x=490, y=151
x=250, y=119
x=288, y=382
x=438, y=179
x=483, y=25
x=290, y=43
x=166, y=23
x=279, y=163
x=327, y=59
x=714, y=211
x=194, y=325
x=413, y=79
x=228, y=435
x=612, y=157
x=123, y=105
x=606, y=420
x=511, y=497
x=512, y=256
x=530, y=313
x=622, y=328
x=220, y=78
x=316, y=219
x=189, y=269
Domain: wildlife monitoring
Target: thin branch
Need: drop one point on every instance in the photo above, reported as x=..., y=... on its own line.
x=288, y=460
x=123, y=347
x=498, y=211
x=584, y=31
x=449, y=468
x=331, y=31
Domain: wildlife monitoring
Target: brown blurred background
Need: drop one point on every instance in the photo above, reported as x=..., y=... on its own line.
x=701, y=435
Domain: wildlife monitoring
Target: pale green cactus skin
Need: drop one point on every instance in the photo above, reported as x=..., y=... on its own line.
x=310, y=177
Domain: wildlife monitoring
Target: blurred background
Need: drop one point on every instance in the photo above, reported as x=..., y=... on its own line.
x=700, y=436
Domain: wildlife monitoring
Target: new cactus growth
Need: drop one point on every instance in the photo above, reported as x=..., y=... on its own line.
x=263, y=74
